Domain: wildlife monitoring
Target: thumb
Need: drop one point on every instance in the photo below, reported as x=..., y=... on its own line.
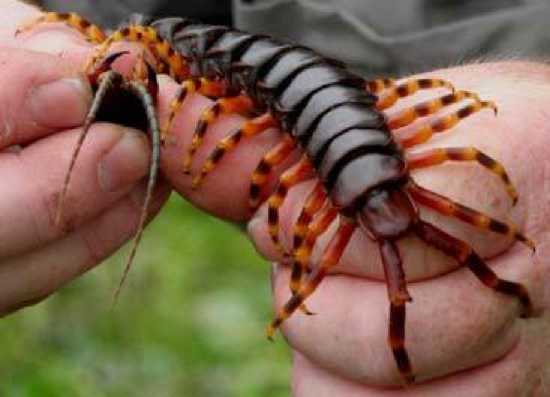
x=40, y=95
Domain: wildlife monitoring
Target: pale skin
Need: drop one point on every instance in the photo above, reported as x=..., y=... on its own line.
x=463, y=338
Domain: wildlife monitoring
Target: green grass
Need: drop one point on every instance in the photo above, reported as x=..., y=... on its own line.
x=189, y=322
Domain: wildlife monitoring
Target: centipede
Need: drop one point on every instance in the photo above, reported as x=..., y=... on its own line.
x=361, y=160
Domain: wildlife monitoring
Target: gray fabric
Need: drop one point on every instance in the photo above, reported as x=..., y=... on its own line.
x=110, y=13
x=381, y=37
x=376, y=37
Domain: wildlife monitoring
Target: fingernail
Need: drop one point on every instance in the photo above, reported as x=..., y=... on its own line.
x=61, y=103
x=126, y=163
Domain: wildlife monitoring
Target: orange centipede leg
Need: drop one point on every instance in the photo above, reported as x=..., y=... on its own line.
x=437, y=156
x=313, y=204
x=91, y=32
x=187, y=87
x=294, y=175
x=331, y=256
x=378, y=85
x=398, y=296
x=241, y=104
x=148, y=36
x=444, y=123
x=426, y=108
x=248, y=129
x=407, y=88
x=271, y=159
x=447, y=207
x=466, y=256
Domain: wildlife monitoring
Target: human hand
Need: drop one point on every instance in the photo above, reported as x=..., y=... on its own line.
x=463, y=338
x=44, y=98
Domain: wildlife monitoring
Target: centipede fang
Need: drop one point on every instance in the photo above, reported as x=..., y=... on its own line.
x=360, y=157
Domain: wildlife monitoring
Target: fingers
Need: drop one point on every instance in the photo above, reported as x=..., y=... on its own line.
x=453, y=324
x=224, y=192
x=31, y=277
x=40, y=94
x=521, y=372
x=13, y=13
x=112, y=161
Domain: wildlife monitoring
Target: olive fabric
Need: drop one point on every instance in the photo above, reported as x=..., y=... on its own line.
x=389, y=37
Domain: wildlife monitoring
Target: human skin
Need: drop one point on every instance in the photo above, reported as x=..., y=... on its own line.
x=463, y=338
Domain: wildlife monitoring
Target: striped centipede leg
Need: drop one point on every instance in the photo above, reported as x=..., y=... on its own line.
x=201, y=85
x=398, y=296
x=426, y=108
x=249, y=128
x=271, y=159
x=301, y=253
x=437, y=156
x=92, y=33
x=313, y=204
x=379, y=85
x=241, y=104
x=465, y=255
x=444, y=123
x=165, y=55
x=294, y=175
x=408, y=88
x=448, y=207
x=332, y=254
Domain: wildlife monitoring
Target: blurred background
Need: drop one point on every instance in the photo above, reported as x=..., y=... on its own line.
x=190, y=322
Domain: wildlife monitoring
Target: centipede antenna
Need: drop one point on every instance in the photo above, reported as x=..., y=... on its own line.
x=148, y=103
x=106, y=82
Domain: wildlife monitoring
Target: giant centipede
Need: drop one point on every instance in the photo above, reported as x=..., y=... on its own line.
x=337, y=119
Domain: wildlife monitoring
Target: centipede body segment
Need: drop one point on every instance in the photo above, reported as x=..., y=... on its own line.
x=359, y=155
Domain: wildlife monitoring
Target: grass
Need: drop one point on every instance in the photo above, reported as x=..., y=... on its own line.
x=189, y=322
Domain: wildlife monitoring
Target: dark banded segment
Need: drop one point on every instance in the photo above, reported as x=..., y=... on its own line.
x=363, y=174
x=437, y=156
x=348, y=147
x=465, y=255
x=271, y=159
x=448, y=207
x=338, y=120
x=326, y=99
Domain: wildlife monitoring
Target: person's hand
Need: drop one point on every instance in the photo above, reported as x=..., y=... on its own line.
x=44, y=98
x=463, y=338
